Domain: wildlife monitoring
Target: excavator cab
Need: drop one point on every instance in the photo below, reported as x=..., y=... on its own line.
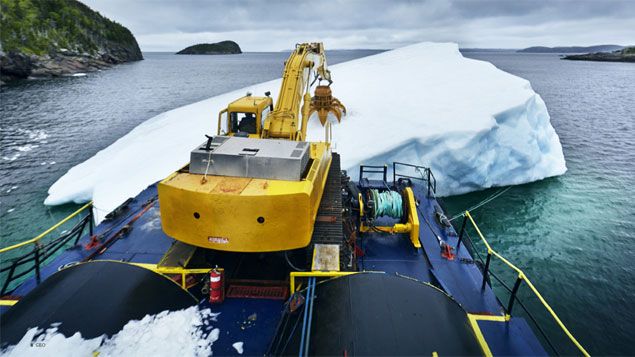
x=245, y=116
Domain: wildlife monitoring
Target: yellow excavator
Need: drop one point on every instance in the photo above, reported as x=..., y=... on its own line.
x=258, y=186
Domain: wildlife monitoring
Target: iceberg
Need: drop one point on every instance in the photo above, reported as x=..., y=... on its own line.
x=474, y=125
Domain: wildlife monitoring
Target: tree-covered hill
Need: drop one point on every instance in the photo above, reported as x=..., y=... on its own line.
x=219, y=48
x=40, y=31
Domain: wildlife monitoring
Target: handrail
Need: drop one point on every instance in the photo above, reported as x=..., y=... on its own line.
x=315, y=274
x=183, y=272
x=373, y=169
x=521, y=277
x=426, y=176
x=46, y=232
x=41, y=252
x=489, y=248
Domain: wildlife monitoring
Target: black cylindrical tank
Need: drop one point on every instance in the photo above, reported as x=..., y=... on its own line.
x=382, y=315
x=93, y=298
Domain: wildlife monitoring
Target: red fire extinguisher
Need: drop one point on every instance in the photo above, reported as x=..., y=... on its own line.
x=216, y=286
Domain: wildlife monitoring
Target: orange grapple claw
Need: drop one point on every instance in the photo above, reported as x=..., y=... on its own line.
x=324, y=103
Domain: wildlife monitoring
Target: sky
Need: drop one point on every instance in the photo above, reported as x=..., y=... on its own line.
x=171, y=25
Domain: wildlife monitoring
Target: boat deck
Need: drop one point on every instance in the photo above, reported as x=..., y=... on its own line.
x=135, y=236
x=460, y=278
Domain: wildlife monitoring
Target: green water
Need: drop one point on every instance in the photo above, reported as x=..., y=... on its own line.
x=573, y=235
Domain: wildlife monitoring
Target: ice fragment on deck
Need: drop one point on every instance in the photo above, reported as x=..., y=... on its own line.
x=176, y=333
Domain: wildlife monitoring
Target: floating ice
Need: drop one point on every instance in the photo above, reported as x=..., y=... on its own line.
x=473, y=124
x=238, y=346
x=12, y=157
x=34, y=135
x=26, y=148
x=178, y=333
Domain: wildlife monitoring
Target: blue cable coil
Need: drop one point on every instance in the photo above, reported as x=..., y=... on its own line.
x=387, y=203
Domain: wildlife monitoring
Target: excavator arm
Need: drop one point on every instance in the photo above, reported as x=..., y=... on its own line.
x=289, y=118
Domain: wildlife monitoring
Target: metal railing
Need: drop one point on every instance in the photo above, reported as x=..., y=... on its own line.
x=424, y=172
x=42, y=251
x=314, y=274
x=182, y=272
x=520, y=278
x=373, y=169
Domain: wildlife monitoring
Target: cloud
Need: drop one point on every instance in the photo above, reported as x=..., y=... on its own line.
x=167, y=25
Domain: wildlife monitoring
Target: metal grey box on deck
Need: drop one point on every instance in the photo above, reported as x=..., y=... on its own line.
x=246, y=157
x=200, y=155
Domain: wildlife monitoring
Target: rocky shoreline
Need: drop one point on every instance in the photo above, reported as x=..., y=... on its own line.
x=624, y=55
x=53, y=38
x=15, y=66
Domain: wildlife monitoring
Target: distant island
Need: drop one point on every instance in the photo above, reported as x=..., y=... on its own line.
x=624, y=55
x=219, y=48
x=571, y=49
x=471, y=49
x=41, y=39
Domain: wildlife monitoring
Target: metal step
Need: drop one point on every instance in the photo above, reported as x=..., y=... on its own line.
x=178, y=255
x=326, y=257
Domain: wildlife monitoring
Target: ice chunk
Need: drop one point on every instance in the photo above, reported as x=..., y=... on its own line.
x=177, y=333
x=238, y=346
x=473, y=124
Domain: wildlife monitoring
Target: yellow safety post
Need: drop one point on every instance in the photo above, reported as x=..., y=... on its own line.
x=523, y=277
x=317, y=274
x=174, y=271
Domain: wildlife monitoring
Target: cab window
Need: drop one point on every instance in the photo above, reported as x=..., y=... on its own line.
x=263, y=116
x=222, y=121
x=243, y=122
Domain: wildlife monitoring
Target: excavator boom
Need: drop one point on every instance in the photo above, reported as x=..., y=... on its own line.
x=294, y=106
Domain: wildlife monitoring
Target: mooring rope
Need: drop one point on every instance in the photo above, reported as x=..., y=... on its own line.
x=387, y=203
x=209, y=161
x=482, y=203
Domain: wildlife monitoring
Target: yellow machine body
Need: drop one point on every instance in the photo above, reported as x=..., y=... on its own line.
x=246, y=214
x=242, y=214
